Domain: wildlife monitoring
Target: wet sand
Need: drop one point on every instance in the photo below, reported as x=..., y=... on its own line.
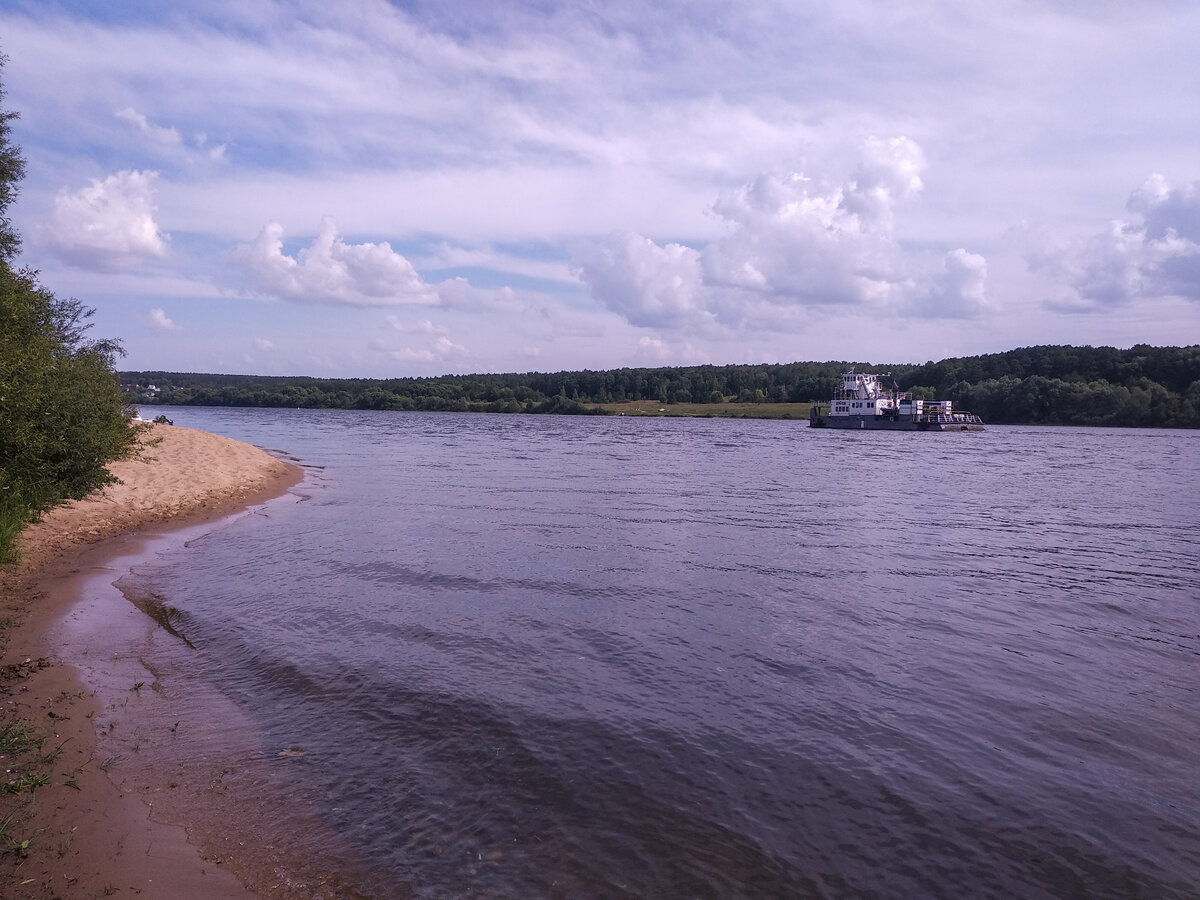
x=86, y=837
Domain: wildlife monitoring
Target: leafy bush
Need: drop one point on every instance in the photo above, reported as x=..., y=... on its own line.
x=62, y=413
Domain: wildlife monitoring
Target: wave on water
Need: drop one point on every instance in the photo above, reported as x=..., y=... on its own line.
x=514, y=656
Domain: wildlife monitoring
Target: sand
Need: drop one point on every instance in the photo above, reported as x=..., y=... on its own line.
x=82, y=836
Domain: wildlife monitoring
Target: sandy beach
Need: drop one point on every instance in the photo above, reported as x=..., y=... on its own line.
x=77, y=835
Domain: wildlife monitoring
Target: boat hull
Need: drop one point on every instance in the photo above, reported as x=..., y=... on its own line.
x=887, y=423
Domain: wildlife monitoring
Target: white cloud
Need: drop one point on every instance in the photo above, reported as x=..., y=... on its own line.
x=107, y=225
x=492, y=259
x=168, y=137
x=956, y=290
x=488, y=140
x=1163, y=209
x=645, y=283
x=441, y=350
x=158, y=320
x=458, y=293
x=263, y=344
x=889, y=171
x=1154, y=252
x=424, y=326
x=170, y=144
x=214, y=152
x=332, y=271
x=791, y=243
x=653, y=351
x=796, y=241
x=530, y=352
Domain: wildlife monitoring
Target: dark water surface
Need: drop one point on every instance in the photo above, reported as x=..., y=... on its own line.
x=515, y=656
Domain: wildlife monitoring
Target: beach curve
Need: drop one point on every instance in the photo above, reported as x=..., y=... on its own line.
x=78, y=834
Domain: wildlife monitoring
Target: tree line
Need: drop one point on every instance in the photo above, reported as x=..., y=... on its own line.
x=1140, y=386
x=62, y=413
x=513, y=392
x=1064, y=385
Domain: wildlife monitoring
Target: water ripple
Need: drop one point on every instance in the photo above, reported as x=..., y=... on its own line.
x=517, y=656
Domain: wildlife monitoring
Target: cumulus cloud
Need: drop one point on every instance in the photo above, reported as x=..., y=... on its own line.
x=646, y=283
x=107, y=225
x=458, y=293
x=957, y=290
x=264, y=345
x=655, y=350
x=889, y=171
x=1154, y=251
x=332, y=271
x=791, y=243
x=795, y=242
x=158, y=320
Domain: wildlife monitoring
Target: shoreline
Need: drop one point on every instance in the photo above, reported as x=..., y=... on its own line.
x=78, y=833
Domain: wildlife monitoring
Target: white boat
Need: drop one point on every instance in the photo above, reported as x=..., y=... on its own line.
x=865, y=402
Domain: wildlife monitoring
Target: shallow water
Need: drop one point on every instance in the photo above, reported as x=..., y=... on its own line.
x=513, y=656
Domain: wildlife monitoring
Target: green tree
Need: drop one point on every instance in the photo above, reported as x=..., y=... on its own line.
x=62, y=414
x=12, y=170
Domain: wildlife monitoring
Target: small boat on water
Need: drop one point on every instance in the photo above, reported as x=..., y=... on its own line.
x=864, y=401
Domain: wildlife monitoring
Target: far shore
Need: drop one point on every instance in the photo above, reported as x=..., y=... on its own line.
x=730, y=409
x=76, y=834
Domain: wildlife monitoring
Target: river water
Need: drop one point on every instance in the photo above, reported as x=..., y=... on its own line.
x=520, y=656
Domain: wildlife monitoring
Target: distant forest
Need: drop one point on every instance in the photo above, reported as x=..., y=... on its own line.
x=1059, y=385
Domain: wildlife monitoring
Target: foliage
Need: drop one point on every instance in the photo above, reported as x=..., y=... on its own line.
x=533, y=392
x=1175, y=368
x=12, y=170
x=1055, y=385
x=62, y=413
x=1063, y=385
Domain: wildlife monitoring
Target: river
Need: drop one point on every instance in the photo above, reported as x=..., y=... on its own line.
x=521, y=656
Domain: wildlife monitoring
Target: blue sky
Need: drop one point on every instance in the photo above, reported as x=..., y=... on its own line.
x=384, y=189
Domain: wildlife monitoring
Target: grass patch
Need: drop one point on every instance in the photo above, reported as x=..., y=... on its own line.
x=14, y=515
x=24, y=759
x=27, y=766
x=19, y=739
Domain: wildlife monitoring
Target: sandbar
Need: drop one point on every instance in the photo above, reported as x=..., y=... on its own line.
x=85, y=837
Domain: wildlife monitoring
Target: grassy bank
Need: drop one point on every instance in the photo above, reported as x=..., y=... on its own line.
x=13, y=516
x=706, y=410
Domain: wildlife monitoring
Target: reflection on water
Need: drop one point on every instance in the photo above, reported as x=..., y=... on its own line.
x=532, y=656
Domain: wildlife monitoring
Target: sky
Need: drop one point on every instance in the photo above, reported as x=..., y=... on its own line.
x=390, y=189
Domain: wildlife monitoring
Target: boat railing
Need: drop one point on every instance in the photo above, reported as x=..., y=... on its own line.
x=959, y=418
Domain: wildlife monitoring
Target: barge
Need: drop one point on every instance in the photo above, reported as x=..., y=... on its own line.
x=865, y=402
